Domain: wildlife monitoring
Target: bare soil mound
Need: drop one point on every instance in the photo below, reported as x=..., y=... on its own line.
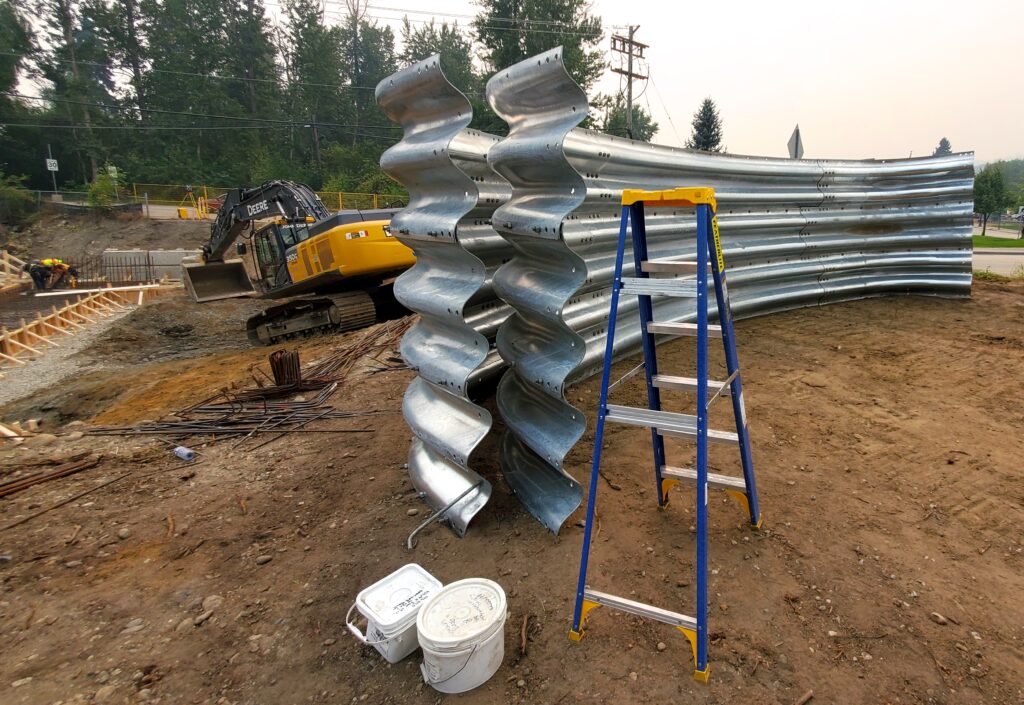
x=73, y=237
x=175, y=328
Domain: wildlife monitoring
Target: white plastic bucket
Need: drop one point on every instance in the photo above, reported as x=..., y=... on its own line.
x=390, y=606
x=461, y=630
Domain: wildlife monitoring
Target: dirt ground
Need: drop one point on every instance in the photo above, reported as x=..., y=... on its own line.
x=887, y=436
x=72, y=237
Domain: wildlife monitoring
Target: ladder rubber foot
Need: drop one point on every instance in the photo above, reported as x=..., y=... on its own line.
x=702, y=676
x=576, y=635
x=756, y=526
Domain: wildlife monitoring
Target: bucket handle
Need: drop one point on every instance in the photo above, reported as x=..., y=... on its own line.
x=358, y=634
x=426, y=677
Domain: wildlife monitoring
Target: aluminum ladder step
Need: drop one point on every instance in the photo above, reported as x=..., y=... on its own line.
x=672, y=328
x=688, y=384
x=673, y=266
x=645, y=286
x=640, y=609
x=722, y=482
x=667, y=423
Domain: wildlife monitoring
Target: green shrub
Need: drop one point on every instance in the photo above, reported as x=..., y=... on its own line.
x=101, y=191
x=16, y=201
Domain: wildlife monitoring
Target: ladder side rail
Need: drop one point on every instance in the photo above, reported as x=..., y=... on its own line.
x=733, y=366
x=609, y=351
x=648, y=343
x=703, y=226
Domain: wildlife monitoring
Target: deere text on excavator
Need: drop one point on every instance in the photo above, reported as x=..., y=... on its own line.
x=336, y=270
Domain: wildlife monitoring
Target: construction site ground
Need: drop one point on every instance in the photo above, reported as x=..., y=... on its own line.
x=73, y=237
x=888, y=436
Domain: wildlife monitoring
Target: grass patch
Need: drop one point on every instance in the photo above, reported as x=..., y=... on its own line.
x=996, y=242
x=985, y=275
x=1017, y=275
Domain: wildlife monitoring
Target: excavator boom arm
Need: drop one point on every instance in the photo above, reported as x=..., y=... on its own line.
x=284, y=199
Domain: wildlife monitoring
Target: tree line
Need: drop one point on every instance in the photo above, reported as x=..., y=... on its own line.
x=221, y=92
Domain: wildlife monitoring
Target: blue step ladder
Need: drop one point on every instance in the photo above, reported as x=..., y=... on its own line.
x=693, y=284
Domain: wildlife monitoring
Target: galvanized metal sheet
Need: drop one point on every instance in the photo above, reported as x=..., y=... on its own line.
x=452, y=194
x=795, y=233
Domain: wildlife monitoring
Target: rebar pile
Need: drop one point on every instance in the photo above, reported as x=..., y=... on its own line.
x=243, y=414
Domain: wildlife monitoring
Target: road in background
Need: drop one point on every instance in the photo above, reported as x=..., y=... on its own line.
x=1000, y=260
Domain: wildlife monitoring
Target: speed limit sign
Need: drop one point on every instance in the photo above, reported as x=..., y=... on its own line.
x=51, y=165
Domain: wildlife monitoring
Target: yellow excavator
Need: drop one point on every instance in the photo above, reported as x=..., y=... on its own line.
x=334, y=270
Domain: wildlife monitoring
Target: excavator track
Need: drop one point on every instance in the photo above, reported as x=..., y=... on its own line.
x=334, y=313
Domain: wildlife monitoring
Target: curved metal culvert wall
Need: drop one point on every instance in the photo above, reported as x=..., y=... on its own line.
x=795, y=233
x=452, y=193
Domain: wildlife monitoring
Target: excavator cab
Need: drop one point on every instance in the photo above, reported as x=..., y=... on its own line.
x=272, y=246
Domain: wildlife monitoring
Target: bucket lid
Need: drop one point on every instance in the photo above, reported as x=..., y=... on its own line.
x=461, y=613
x=392, y=602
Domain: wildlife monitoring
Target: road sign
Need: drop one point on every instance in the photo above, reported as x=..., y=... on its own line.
x=51, y=165
x=796, y=145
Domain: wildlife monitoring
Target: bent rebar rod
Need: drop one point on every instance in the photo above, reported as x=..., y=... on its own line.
x=452, y=193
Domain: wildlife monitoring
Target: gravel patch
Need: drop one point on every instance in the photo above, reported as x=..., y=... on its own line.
x=57, y=364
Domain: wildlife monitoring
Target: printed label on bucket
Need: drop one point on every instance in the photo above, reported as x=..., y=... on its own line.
x=411, y=603
x=478, y=609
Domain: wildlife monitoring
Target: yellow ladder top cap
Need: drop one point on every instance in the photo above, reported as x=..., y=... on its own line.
x=687, y=197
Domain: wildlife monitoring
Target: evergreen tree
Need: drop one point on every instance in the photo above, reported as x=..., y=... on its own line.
x=75, y=63
x=251, y=54
x=208, y=58
x=513, y=30
x=20, y=147
x=15, y=46
x=120, y=25
x=314, y=67
x=368, y=52
x=707, y=129
x=614, y=123
x=943, y=149
x=454, y=47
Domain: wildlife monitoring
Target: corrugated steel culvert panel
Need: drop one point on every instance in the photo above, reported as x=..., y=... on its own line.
x=452, y=194
x=795, y=233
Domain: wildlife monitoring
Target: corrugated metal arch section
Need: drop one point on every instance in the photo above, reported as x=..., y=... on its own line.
x=452, y=194
x=795, y=233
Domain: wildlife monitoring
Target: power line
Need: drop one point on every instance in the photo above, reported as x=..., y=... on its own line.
x=490, y=18
x=667, y=113
x=521, y=30
x=291, y=122
x=197, y=75
x=144, y=127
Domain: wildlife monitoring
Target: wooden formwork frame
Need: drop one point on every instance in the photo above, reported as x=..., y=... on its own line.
x=10, y=267
x=29, y=339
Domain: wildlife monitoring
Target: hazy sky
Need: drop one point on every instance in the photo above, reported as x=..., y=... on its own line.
x=863, y=79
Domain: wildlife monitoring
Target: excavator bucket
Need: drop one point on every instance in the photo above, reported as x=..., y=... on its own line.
x=209, y=281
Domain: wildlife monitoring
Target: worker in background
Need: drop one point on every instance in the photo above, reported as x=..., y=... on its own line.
x=63, y=275
x=39, y=272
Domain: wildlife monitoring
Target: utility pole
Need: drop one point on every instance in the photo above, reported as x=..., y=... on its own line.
x=633, y=50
